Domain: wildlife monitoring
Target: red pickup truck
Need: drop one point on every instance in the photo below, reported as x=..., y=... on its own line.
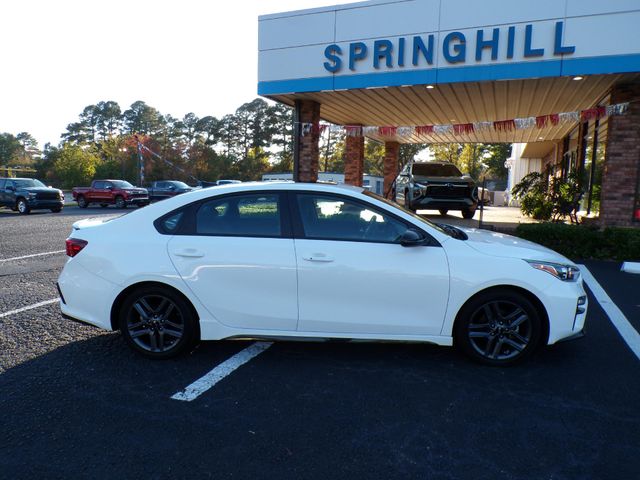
x=110, y=192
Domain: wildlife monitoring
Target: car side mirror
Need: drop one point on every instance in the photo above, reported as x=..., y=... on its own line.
x=109, y=187
x=412, y=238
x=172, y=187
x=10, y=188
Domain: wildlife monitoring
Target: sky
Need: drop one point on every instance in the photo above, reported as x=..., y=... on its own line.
x=178, y=56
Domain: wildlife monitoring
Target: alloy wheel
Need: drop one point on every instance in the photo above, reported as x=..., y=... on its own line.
x=500, y=330
x=155, y=323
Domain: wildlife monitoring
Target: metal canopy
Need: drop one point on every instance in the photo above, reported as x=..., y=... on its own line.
x=465, y=103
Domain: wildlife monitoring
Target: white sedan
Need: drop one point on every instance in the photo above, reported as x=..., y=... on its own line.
x=296, y=260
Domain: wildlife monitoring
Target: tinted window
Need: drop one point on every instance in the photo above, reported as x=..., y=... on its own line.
x=121, y=184
x=337, y=218
x=241, y=215
x=2, y=182
x=98, y=185
x=28, y=183
x=435, y=170
x=170, y=224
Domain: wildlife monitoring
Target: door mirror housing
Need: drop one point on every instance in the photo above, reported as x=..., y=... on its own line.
x=10, y=188
x=412, y=238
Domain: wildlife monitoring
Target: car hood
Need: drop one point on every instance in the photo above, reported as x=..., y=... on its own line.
x=503, y=245
x=39, y=189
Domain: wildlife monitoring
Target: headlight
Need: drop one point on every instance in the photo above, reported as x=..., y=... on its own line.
x=32, y=195
x=130, y=191
x=566, y=273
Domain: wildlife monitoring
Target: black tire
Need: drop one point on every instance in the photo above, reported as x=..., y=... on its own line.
x=82, y=202
x=443, y=211
x=56, y=210
x=120, y=203
x=149, y=335
x=104, y=205
x=23, y=207
x=468, y=212
x=498, y=328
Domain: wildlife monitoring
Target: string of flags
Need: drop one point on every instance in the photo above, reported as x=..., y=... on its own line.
x=508, y=125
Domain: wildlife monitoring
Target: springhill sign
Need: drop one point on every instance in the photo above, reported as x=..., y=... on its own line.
x=404, y=51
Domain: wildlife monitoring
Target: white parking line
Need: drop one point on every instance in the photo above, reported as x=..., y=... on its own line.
x=29, y=307
x=30, y=256
x=625, y=329
x=631, y=267
x=204, y=383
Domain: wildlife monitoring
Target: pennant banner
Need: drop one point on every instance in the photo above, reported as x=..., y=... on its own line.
x=507, y=125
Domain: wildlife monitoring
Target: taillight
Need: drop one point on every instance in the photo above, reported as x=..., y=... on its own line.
x=74, y=246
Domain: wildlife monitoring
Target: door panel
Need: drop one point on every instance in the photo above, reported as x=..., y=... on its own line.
x=371, y=288
x=243, y=282
x=238, y=263
x=355, y=277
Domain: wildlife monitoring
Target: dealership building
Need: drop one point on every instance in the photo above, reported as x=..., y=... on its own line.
x=561, y=77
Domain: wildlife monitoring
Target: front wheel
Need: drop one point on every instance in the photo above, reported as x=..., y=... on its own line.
x=120, y=203
x=158, y=323
x=82, y=202
x=23, y=207
x=468, y=212
x=443, y=211
x=56, y=210
x=498, y=328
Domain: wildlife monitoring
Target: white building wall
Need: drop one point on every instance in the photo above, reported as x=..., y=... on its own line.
x=518, y=168
x=292, y=44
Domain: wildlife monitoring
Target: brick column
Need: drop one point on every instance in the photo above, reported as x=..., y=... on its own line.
x=309, y=152
x=622, y=160
x=391, y=151
x=354, y=160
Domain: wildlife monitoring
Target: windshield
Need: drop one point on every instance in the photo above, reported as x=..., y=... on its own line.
x=28, y=182
x=121, y=184
x=435, y=170
x=180, y=184
x=414, y=215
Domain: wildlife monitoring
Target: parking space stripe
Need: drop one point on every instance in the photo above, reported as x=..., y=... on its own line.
x=625, y=329
x=30, y=256
x=29, y=307
x=631, y=267
x=204, y=383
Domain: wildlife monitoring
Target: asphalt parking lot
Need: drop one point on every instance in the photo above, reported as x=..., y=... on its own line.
x=76, y=402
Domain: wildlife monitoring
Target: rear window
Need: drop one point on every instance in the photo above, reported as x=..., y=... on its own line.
x=435, y=170
x=256, y=215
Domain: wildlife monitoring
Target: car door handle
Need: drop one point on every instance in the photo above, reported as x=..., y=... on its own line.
x=188, y=252
x=318, y=257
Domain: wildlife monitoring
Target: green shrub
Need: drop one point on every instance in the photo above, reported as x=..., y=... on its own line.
x=582, y=242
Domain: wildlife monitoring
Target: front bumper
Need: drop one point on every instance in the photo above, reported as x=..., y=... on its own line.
x=36, y=203
x=138, y=201
x=425, y=203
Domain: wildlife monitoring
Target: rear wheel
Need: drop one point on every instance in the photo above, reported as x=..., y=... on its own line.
x=498, y=328
x=56, y=210
x=468, y=212
x=120, y=203
x=158, y=323
x=104, y=205
x=443, y=211
x=23, y=206
x=82, y=202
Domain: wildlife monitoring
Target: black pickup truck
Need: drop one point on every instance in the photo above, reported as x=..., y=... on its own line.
x=436, y=186
x=166, y=189
x=26, y=194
